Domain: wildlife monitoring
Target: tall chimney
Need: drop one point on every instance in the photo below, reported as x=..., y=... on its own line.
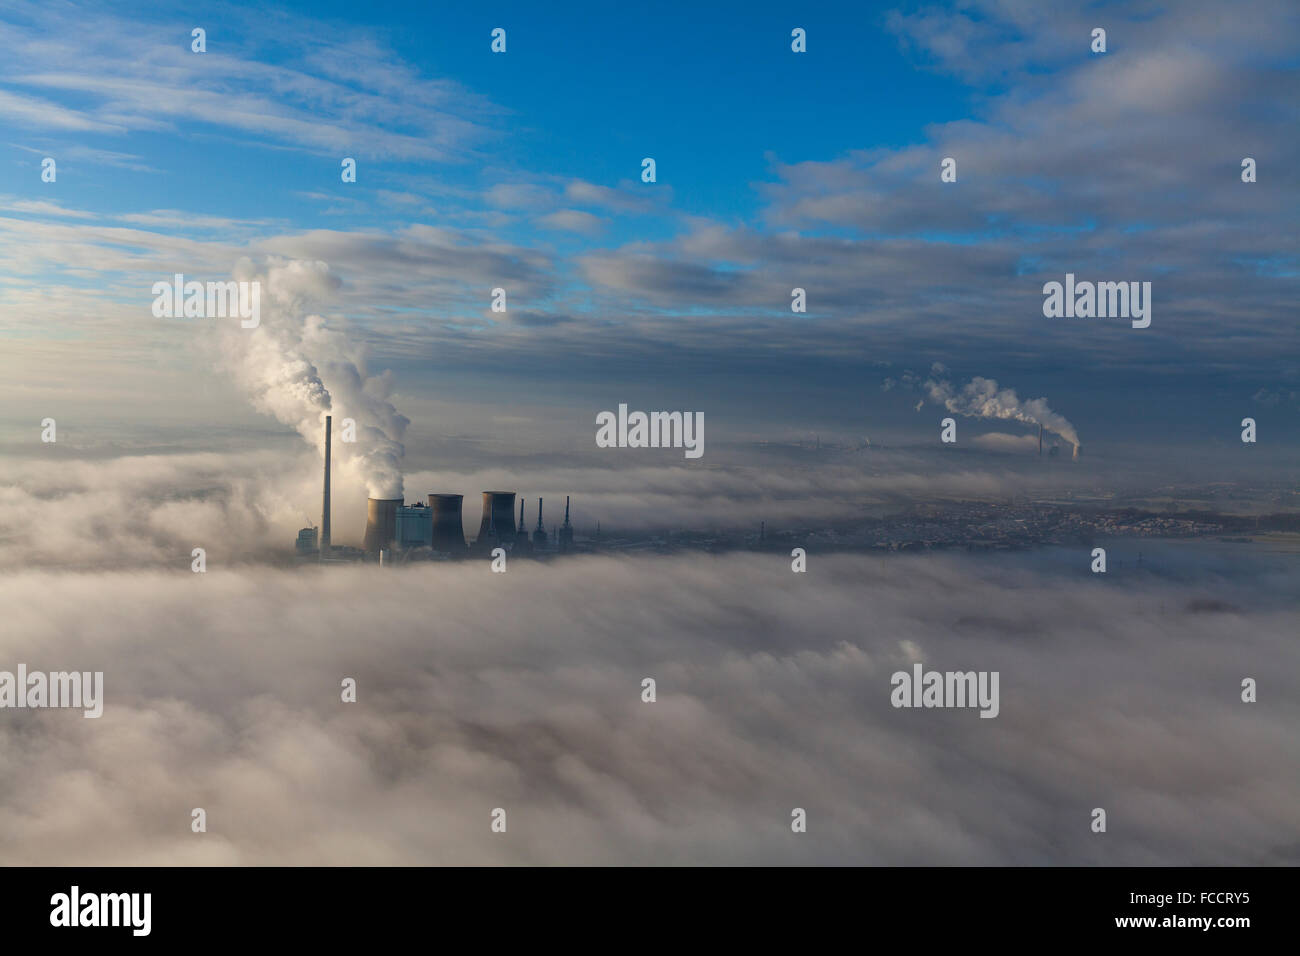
x=448, y=534
x=1040, y=441
x=1075, y=456
x=539, y=536
x=381, y=524
x=566, y=530
x=325, y=505
x=521, y=534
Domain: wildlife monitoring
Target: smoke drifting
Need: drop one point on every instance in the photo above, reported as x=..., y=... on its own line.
x=982, y=398
x=295, y=367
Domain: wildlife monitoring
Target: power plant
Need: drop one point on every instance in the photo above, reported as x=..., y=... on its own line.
x=1052, y=452
x=434, y=530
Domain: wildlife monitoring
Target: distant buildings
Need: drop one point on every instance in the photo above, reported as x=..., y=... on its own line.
x=307, y=541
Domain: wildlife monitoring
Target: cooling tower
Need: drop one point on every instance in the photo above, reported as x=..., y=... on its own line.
x=448, y=533
x=381, y=524
x=498, y=515
x=325, y=503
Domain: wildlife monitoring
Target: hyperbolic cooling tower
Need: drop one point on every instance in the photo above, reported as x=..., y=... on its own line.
x=498, y=515
x=448, y=533
x=381, y=524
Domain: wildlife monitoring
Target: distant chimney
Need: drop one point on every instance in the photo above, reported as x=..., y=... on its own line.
x=521, y=531
x=566, y=530
x=325, y=505
x=539, y=536
x=1075, y=456
x=1040, y=441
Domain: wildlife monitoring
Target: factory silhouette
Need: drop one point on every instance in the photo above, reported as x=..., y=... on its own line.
x=433, y=530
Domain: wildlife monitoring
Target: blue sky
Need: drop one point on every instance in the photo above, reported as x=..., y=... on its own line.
x=775, y=170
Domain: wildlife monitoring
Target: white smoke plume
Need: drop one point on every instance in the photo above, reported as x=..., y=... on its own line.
x=299, y=369
x=982, y=398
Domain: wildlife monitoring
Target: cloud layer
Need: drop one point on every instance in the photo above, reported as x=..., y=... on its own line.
x=480, y=690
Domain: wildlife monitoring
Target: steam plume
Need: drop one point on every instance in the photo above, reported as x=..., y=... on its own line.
x=294, y=367
x=982, y=398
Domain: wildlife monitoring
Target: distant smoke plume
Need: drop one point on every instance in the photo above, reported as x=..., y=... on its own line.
x=296, y=368
x=981, y=398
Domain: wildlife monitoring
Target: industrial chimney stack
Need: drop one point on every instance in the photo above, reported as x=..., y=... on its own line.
x=521, y=533
x=1040, y=441
x=539, y=536
x=325, y=505
x=566, y=530
x=1075, y=456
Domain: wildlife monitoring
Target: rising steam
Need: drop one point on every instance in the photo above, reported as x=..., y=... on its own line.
x=981, y=398
x=296, y=368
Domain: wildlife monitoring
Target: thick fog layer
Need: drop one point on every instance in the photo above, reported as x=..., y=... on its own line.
x=522, y=691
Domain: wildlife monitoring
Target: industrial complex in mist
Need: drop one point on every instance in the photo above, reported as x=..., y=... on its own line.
x=434, y=529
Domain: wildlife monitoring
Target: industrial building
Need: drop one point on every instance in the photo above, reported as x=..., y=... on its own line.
x=414, y=526
x=307, y=542
x=432, y=529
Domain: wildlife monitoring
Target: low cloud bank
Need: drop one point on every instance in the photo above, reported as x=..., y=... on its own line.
x=523, y=691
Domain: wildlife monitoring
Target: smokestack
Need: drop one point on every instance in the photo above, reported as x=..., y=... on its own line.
x=521, y=539
x=1040, y=441
x=1075, y=456
x=539, y=536
x=325, y=504
x=448, y=533
x=381, y=524
x=566, y=530
x=498, y=515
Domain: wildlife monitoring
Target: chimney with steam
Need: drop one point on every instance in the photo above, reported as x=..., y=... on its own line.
x=381, y=524
x=325, y=505
x=448, y=534
x=1075, y=456
x=1040, y=441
